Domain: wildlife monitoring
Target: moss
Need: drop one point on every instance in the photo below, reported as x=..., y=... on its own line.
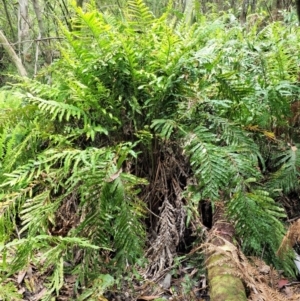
x=224, y=285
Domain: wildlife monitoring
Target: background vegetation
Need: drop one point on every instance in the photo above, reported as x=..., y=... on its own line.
x=136, y=127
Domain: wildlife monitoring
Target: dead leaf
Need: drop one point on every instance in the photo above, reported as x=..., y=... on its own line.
x=148, y=297
x=282, y=283
x=101, y=298
x=41, y=294
x=114, y=176
x=269, y=135
x=288, y=292
x=264, y=269
x=21, y=276
x=294, y=148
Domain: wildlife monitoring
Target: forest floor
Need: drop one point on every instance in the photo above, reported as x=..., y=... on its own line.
x=185, y=279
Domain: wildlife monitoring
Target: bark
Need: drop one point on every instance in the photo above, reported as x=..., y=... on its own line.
x=12, y=54
x=24, y=35
x=224, y=285
x=188, y=11
x=244, y=10
x=253, y=6
x=42, y=34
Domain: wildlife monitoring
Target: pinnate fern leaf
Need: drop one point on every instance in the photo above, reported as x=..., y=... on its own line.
x=257, y=221
x=209, y=162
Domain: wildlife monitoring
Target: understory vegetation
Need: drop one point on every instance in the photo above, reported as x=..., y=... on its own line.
x=114, y=158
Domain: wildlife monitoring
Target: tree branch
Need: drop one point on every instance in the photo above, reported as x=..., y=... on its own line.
x=12, y=54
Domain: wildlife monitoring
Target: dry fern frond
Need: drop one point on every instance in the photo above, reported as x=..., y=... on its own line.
x=266, y=293
x=168, y=223
x=163, y=249
x=290, y=239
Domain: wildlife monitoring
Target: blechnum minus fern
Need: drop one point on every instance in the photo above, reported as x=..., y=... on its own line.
x=49, y=194
x=124, y=91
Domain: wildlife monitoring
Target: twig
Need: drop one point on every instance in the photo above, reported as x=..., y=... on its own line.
x=36, y=40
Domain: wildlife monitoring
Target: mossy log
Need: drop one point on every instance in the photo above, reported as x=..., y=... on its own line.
x=223, y=282
x=224, y=286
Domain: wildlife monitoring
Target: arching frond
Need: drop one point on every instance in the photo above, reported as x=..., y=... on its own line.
x=209, y=163
x=139, y=13
x=286, y=177
x=257, y=221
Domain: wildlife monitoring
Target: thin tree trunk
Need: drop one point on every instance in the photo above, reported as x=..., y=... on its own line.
x=188, y=11
x=42, y=34
x=9, y=19
x=24, y=33
x=245, y=7
x=253, y=6
x=224, y=285
x=12, y=54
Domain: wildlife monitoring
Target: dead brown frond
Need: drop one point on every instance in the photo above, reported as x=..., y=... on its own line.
x=169, y=172
x=290, y=239
x=163, y=249
x=265, y=293
x=66, y=216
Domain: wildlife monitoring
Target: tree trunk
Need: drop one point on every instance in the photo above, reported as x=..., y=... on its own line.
x=79, y=3
x=188, y=11
x=224, y=285
x=12, y=54
x=24, y=33
x=253, y=6
x=42, y=35
x=244, y=13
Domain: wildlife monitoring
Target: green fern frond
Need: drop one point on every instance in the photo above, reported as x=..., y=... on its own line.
x=104, y=193
x=20, y=146
x=139, y=13
x=286, y=177
x=57, y=110
x=21, y=251
x=12, y=110
x=100, y=285
x=230, y=89
x=280, y=60
x=239, y=140
x=95, y=22
x=125, y=231
x=164, y=127
x=9, y=292
x=257, y=222
x=208, y=162
x=36, y=213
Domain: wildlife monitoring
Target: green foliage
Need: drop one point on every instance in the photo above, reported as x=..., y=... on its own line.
x=100, y=285
x=285, y=178
x=257, y=221
x=70, y=150
x=9, y=292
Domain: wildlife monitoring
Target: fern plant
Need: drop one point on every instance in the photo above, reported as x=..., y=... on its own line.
x=135, y=101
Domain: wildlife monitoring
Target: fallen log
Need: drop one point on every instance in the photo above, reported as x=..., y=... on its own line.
x=224, y=284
